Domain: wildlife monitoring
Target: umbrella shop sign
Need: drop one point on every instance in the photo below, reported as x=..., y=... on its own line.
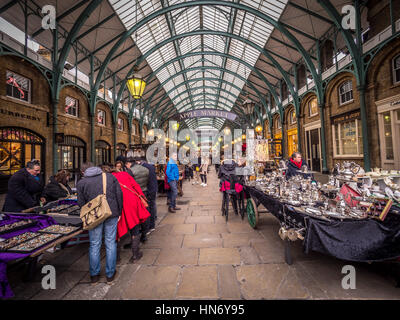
x=205, y=113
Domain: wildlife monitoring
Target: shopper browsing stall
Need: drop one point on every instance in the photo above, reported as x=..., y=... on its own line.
x=89, y=187
x=134, y=212
x=24, y=188
x=58, y=187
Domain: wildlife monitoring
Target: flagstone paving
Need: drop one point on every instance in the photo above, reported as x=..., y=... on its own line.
x=195, y=254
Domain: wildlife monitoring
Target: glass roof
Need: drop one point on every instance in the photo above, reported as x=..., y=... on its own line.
x=207, y=18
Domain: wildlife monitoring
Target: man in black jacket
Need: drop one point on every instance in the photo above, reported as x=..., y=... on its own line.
x=151, y=194
x=24, y=188
x=89, y=187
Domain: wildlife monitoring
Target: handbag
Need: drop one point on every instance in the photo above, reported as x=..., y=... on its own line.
x=142, y=198
x=97, y=210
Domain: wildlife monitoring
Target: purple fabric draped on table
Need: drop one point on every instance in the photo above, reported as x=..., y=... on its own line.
x=42, y=222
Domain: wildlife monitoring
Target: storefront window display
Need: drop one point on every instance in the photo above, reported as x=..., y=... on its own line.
x=17, y=147
x=121, y=149
x=292, y=141
x=103, y=152
x=71, y=155
x=348, y=138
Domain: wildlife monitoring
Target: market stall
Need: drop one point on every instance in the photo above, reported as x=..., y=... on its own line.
x=25, y=236
x=354, y=217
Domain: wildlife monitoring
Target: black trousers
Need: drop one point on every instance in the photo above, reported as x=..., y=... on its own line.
x=203, y=178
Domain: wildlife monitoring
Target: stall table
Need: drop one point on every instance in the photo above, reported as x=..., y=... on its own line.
x=43, y=221
x=366, y=240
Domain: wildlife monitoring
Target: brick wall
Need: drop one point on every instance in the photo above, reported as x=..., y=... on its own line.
x=33, y=115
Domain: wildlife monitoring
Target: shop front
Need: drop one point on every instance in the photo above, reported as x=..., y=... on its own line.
x=293, y=143
x=17, y=147
x=389, y=132
x=347, y=137
x=121, y=150
x=71, y=155
x=103, y=152
x=313, y=145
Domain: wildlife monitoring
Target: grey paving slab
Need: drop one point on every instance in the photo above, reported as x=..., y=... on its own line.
x=198, y=282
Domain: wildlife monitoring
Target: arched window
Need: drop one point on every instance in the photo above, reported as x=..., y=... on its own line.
x=396, y=70
x=292, y=117
x=121, y=149
x=71, y=155
x=313, y=107
x=278, y=123
x=103, y=152
x=346, y=92
x=120, y=124
x=17, y=147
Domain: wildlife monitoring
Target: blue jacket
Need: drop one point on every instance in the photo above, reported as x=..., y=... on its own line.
x=172, y=171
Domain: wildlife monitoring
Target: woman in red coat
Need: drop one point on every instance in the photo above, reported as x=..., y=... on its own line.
x=134, y=212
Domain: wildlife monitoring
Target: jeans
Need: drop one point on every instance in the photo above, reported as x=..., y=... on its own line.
x=173, y=193
x=203, y=178
x=95, y=237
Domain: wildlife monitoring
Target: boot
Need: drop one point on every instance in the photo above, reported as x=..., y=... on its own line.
x=136, y=253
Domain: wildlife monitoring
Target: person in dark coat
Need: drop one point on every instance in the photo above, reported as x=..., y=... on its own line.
x=24, y=188
x=294, y=165
x=151, y=194
x=88, y=188
x=58, y=187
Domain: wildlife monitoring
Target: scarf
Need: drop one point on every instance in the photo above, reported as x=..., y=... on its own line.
x=297, y=164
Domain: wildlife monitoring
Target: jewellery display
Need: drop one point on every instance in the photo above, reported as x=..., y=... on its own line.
x=21, y=224
x=12, y=242
x=59, y=229
x=35, y=243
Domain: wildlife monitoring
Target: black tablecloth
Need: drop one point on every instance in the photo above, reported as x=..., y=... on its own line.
x=351, y=240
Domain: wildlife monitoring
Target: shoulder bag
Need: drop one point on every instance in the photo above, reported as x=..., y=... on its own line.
x=97, y=210
x=142, y=198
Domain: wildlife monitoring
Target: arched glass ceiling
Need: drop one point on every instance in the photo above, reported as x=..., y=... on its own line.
x=218, y=18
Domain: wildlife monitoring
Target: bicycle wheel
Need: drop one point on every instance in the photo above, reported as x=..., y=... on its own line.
x=252, y=213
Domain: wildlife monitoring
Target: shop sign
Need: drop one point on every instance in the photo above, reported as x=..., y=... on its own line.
x=395, y=103
x=18, y=115
x=347, y=117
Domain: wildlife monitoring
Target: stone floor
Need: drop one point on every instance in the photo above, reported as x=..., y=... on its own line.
x=195, y=254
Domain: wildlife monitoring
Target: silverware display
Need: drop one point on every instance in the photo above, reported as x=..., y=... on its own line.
x=312, y=197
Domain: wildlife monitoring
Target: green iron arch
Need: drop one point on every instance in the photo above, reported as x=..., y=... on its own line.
x=253, y=11
x=202, y=68
x=236, y=37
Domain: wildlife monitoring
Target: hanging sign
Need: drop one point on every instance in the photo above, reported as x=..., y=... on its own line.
x=205, y=113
